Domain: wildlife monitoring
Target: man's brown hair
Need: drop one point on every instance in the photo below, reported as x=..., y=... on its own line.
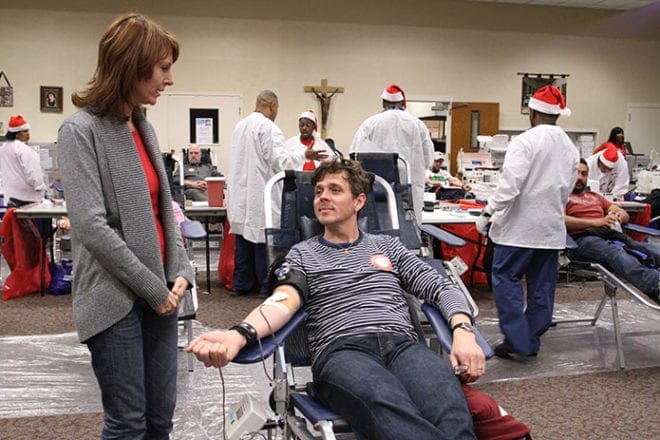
x=359, y=180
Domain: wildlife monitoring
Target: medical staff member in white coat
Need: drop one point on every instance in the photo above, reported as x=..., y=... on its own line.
x=307, y=139
x=526, y=213
x=257, y=154
x=394, y=130
x=20, y=167
x=609, y=168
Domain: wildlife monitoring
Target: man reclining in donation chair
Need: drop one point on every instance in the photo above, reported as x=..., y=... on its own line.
x=366, y=363
x=595, y=225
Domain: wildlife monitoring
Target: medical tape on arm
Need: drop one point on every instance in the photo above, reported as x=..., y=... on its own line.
x=281, y=300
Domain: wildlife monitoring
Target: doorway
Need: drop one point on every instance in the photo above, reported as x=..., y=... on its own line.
x=642, y=128
x=468, y=120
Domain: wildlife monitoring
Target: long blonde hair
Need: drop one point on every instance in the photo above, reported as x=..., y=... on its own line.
x=128, y=52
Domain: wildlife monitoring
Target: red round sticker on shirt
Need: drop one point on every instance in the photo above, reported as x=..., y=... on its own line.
x=381, y=262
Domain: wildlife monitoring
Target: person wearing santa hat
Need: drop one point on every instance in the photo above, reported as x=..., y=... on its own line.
x=257, y=154
x=616, y=139
x=308, y=139
x=609, y=168
x=20, y=167
x=526, y=217
x=394, y=130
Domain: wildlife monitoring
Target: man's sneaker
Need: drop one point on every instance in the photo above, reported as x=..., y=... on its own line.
x=502, y=350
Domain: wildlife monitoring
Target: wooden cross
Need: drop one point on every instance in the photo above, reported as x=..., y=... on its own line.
x=324, y=94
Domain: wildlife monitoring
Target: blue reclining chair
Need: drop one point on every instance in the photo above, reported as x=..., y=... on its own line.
x=611, y=283
x=295, y=405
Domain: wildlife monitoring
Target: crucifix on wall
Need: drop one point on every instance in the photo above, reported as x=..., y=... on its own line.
x=324, y=94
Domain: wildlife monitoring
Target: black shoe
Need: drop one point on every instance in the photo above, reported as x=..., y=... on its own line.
x=238, y=292
x=502, y=350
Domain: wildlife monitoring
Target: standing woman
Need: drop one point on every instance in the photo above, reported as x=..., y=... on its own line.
x=130, y=267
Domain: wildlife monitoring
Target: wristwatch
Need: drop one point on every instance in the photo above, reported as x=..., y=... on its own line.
x=247, y=331
x=465, y=326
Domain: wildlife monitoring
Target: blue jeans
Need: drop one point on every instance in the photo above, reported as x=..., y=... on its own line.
x=596, y=249
x=250, y=265
x=136, y=367
x=387, y=386
x=522, y=327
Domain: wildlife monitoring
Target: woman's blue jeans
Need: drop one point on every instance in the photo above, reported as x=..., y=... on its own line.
x=135, y=362
x=387, y=386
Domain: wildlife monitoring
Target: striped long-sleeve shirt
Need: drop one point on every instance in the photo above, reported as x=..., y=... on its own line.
x=357, y=289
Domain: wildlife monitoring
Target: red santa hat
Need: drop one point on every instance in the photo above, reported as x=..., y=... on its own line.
x=609, y=156
x=17, y=123
x=549, y=100
x=308, y=114
x=393, y=93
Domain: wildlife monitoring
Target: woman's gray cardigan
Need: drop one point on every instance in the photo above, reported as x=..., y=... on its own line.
x=116, y=253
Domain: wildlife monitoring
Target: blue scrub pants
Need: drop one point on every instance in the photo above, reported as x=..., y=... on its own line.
x=250, y=266
x=523, y=326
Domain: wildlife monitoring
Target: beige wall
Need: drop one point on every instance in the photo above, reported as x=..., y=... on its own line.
x=239, y=55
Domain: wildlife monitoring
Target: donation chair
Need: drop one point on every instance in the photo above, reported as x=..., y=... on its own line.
x=611, y=283
x=389, y=166
x=294, y=404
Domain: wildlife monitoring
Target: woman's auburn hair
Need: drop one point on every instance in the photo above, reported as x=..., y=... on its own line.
x=128, y=51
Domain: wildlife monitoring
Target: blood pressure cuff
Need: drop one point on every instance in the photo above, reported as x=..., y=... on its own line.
x=282, y=273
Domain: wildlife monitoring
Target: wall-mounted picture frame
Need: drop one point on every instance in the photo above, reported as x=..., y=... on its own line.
x=51, y=99
x=534, y=81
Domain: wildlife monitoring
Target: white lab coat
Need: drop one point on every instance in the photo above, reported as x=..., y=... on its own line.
x=20, y=169
x=615, y=182
x=257, y=154
x=538, y=175
x=294, y=146
x=397, y=131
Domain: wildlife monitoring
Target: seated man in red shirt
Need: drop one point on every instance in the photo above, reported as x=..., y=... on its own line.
x=594, y=222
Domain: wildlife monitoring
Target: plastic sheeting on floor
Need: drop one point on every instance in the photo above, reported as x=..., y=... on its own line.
x=577, y=348
x=51, y=374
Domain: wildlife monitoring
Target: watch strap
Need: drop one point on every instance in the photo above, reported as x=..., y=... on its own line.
x=465, y=326
x=247, y=331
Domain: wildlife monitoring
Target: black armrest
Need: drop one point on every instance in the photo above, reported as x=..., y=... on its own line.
x=252, y=354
